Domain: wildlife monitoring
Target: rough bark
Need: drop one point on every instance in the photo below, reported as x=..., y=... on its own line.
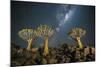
x=79, y=42
x=46, y=51
x=29, y=44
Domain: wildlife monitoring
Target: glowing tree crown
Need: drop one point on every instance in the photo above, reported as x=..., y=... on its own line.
x=26, y=34
x=77, y=32
x=44, y=31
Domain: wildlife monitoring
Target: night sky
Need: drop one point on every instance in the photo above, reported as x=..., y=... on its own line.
x=61, y=17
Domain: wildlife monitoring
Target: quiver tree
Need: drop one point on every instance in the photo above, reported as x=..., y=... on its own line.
x=27, y=35
x=77, y=33
x=45, y=32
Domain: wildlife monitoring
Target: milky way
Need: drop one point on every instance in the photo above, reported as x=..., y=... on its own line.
x=64, y=12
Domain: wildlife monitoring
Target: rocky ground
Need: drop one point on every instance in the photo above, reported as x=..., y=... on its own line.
x=61, y=54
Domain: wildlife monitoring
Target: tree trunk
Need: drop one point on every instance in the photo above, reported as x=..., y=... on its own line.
x=29, y=44
x=46, y=51
x=79, y=42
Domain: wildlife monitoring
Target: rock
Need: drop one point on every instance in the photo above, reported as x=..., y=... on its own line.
x=63, y=54
x=44, y=61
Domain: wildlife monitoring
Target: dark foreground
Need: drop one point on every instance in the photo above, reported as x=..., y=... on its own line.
x=62, y=54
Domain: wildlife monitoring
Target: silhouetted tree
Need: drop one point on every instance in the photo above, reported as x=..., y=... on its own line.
x=45, y=32
x=27, y=35
x=77, y=33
